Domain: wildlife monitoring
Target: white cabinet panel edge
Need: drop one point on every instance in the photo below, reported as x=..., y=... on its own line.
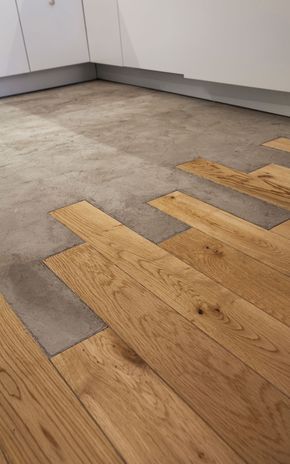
x=54, y=32
x=103, y=28
x=13, y=59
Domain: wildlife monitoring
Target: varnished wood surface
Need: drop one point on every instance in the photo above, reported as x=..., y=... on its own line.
x=245, y=410
x=41, y=421
x=240, y=181
x=3, y=459
x=242, y=235
x=253, y=336
x=266, y=288
x=87, y=219
x=144, y=419
x=282, y=143
x=282, y=229
x=274, y=175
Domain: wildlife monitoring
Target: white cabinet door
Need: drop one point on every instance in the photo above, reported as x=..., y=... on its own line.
x=54, y=32
x=237, y=42
x=151, y=34
x=13, y=58
x=103, y=29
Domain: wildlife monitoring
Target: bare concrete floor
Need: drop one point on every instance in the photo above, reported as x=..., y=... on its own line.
x=116, y=146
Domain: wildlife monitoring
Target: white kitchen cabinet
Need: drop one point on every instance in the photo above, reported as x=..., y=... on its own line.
x=13, y=58
x=237, y=42
x=103, y=29
x=151, y=34
x=54, y=32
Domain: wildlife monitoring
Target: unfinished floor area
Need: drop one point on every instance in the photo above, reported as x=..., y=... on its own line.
x=145, y=245
x=117, y=147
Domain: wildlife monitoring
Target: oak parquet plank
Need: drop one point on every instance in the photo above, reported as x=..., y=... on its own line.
x=246, y=411
x=282, y=229
x=85, y=218
x=242, y=235
x=3, y=459
x=274, y=175
x=41, y=421
x=281, y=143
x=144, y=419
x=264, y=287
x=252, y=335
x=240, y=181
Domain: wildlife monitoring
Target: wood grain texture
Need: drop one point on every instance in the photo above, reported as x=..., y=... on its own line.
x=240, y=181
x=256, y=338
x=282, y=143
x=85, y=218
x=264, y=287
x=3, y=459
x=282, y=229
x=242, y=235
x=255, y=418
x=41, y=421
x=144, y=419
x=274, y=175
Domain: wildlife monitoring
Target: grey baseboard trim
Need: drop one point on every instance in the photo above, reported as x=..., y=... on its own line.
x=258, y=99
x=39, y=80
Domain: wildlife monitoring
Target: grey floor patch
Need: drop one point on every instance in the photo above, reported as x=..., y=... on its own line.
x=55, y=316
x=116, y=146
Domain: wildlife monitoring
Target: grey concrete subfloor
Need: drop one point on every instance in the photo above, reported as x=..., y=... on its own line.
x=116, y=146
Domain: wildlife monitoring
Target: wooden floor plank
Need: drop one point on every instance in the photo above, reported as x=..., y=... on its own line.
x=84, y=217
x=249, y=333
x=144, y=419
x=240, y=181
x=281, y=143
x=41, y=421
x=282, y=229
x=242, y=235
x=245, y=410
x=264, y=287
x=274, y=175
x=3, y=459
